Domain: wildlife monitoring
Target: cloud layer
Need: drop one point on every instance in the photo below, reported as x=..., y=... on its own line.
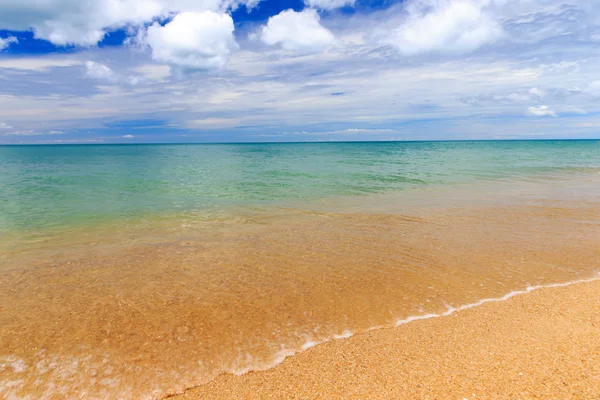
x=329, y=4
x=195, y=70
x=86, y=22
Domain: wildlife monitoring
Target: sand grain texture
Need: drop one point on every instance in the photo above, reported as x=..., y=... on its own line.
x=545, y=344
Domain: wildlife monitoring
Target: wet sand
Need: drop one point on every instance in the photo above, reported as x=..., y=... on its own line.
x=144, y=316
x=544, y=344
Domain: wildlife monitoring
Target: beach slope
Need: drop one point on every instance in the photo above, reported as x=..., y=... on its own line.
x=544, y=344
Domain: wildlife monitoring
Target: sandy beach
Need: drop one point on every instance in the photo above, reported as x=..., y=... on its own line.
x=300, y=199
x=544, y=344
x=170, y=305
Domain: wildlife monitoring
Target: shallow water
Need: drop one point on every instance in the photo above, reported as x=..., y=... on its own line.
x=229, y=258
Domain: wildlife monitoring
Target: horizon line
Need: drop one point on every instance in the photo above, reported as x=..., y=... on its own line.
x=300, y=142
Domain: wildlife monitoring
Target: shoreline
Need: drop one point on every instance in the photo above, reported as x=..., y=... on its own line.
x=564, y=315
x=147, y=320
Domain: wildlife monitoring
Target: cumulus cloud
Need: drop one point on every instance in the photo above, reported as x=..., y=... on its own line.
x=86, y=22
x=329, y=4
x=381, y=85
x=4, y=125
x=297, y=31
x=541, y=111
x=444, y=26
x=192, y=40
x=4, y=43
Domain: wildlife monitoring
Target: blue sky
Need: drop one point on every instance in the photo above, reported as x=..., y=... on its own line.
x=128, y=71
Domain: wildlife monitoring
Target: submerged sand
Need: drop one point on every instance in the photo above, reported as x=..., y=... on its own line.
x=544, y=344
x=155, y=313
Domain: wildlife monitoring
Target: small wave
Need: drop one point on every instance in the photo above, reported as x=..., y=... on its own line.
x=451, y=310
x=66, y=370
x=310, y=343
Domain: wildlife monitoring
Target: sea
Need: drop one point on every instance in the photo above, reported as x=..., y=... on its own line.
x=139, y=271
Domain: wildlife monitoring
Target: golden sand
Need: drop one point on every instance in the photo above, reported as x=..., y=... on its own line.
x=542, y=345
x=152, y=316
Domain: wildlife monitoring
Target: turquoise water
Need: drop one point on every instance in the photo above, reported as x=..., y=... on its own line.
x=137, y=271
x=47, y=187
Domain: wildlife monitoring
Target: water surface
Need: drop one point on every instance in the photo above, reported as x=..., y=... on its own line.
x=137, y=271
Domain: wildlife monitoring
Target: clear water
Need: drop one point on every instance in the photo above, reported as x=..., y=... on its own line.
x=48, y=187
x=138, y=271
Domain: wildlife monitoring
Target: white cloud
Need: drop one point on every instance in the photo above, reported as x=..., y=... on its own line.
x=33, y=132
x=355, y=130
x=594, y=88
x=329, y=4
x=99, y=71
x=82, y=22
x=4, y=43
x=153, y=72
x=103, y=72
x=192, y=40
x=23, y=133
x=541, y=111
x=444, y=26
x=535, y=92
x=128, y=136
x=297, y=31
x=587, y=125
x=86, y=22
x=381, y=86
x=4, y=125
x=37, y=63
x=212, y=123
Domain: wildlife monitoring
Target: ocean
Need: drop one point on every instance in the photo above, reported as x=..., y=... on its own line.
x=137, y=271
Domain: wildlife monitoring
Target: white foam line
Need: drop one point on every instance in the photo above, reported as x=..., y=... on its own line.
x=283, y=354
x=344, y=335
x=451, y=310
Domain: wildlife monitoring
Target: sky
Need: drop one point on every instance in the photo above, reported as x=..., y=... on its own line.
x=153, y=71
